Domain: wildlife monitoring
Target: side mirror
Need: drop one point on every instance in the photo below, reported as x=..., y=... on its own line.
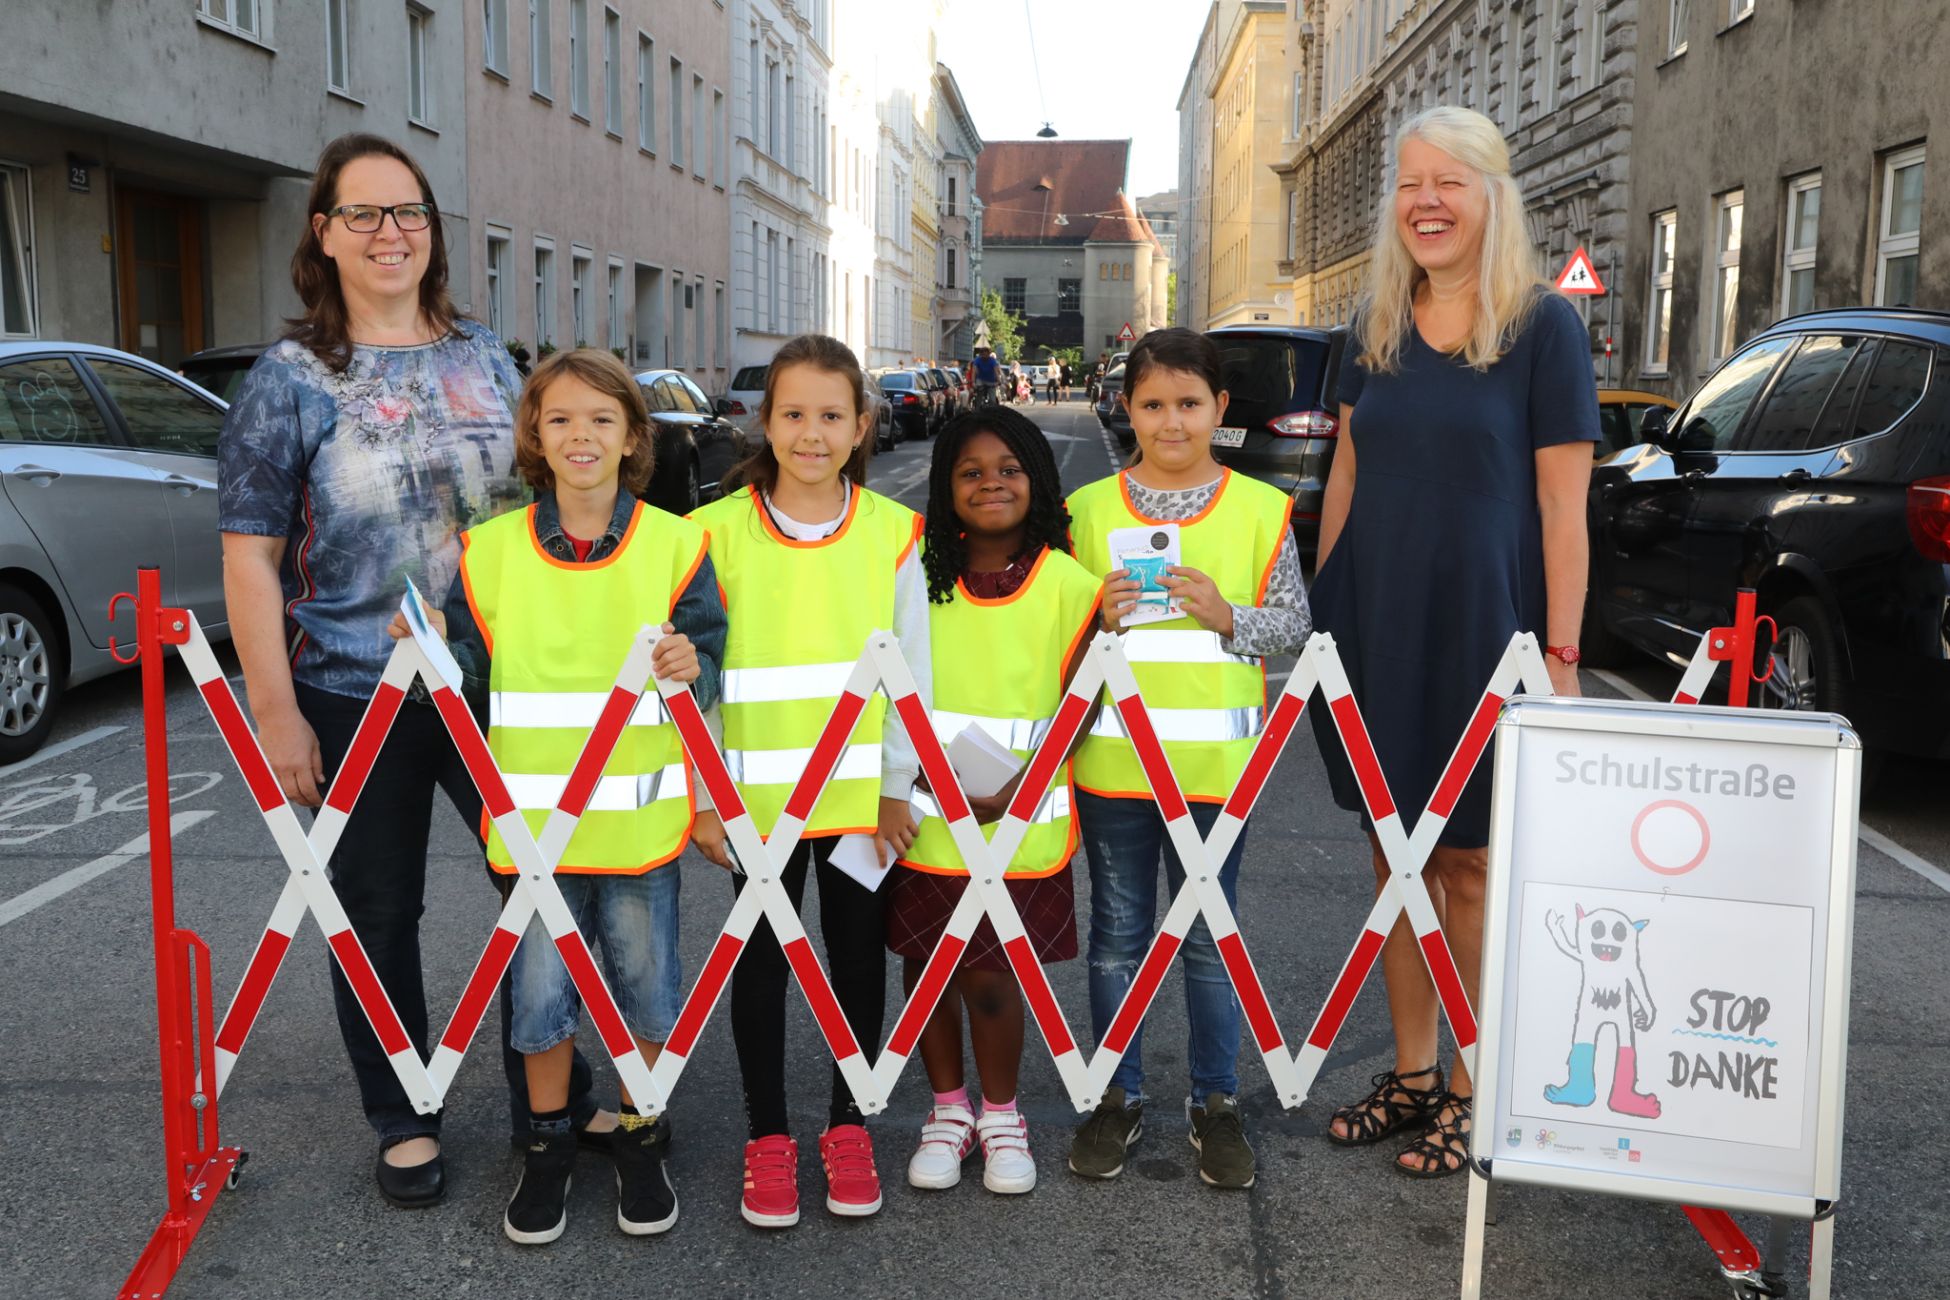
x=721, y=406
x=1654, y=425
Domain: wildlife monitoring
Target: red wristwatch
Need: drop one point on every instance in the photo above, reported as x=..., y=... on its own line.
x=1565, y=654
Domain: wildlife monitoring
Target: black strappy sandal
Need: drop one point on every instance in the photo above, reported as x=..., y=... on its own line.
x=1381, y=1114
x=1445, y=1141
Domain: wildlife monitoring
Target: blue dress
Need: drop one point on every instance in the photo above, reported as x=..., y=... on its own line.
x=1442, y=556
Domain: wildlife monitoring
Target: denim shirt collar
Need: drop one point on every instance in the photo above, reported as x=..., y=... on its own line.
x=548, y=528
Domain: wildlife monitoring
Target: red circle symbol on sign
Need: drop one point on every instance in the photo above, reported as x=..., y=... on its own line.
x=1638, y=846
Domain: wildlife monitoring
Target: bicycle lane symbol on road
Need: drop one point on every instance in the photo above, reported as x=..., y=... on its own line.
x=44, y=806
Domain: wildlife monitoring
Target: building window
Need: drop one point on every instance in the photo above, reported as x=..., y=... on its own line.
x=1015, y=293
x=718, y=140
x=1658, y=315
x=646, y=94
x=1069, y=296
x=772, y=107
x=494, y=34
x=16, y=254
x=579, y=58
x=791, y=298
x=419, y=39
x=613, y=72
x=1550, y=18
x=1729, y=211
x=1678, y=13
x=542, y=73
x=677, y=113
x=1798, y=263
x=772, y=281
x=1738, y=9
x=244, y=16
x=619, y=335
x=544, y=294
x=695, y=295
x=721, y=334
x=1292, y=223
x=952, y=255
x=679, y=299
x=1590, y=44
x=497, y=282
x=338, y=51
x=1899, y=228
x=700, y=128
x=579, y=264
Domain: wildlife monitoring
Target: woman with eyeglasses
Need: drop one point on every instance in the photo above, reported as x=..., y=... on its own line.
x=359, y=448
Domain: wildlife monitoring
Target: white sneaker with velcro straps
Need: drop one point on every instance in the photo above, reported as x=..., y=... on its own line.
x=947, y=1139
x=1007, y=1166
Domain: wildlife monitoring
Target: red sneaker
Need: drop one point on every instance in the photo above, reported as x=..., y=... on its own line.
x=852, y=1184
x=771, y=1182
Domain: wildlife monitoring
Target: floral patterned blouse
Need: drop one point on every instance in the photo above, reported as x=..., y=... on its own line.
x=370, y=476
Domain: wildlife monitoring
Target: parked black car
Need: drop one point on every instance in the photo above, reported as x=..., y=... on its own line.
x=1813, y=466
x=885, y=432
x=1110, y=411
x=220, y=371
x=1282, y=419
x=951, y=399
x=696, y=444
x=912, y=400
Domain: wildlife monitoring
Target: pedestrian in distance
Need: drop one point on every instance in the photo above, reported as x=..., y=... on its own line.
x=1063, y=375
x=1050, y=383
x=546, y=602
x=811, y=564
x=356, y=451
x=987, y=373
x=1009, y=620
x=1467, y=403
x=1242, y=597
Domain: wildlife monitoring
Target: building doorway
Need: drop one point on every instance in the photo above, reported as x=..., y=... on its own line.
x=159, y=273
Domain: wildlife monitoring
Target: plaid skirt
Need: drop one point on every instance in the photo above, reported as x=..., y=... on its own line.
x=922, y=902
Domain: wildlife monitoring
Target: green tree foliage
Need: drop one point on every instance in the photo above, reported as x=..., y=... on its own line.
x=1005, y=327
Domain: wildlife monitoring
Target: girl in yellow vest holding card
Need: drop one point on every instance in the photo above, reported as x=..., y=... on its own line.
x=1011, y=614
x=811, y=564
x=543, y=613
x=1240, y=595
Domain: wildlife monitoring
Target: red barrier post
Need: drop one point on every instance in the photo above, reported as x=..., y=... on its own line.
x=194, y=1167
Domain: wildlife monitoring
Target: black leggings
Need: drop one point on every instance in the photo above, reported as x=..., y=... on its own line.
x=852, y=922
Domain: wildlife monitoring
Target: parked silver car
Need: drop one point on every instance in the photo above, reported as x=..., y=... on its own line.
x=107, y=462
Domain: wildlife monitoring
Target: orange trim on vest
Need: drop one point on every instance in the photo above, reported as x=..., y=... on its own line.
x=1266, y=579
x=961, y=588
x=765, y=519
x=487, y=633
x=1063, y=864
x=573, y=566
x=1124, y=488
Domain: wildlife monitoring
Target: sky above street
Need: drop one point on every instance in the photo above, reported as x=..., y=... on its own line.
x=1110, y=69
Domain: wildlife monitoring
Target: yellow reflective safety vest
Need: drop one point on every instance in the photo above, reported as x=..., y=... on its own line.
x=998, y=665
x=557, y=633
x=1207, y=706
x=800, y=615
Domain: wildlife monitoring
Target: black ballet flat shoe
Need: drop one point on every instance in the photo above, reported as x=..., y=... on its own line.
x=412, y=1187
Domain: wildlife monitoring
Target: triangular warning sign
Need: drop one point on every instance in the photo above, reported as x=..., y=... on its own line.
x=1127, y=334
x=1579, y=276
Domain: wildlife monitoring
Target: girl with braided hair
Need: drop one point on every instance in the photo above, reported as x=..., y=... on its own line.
x=1010, y=614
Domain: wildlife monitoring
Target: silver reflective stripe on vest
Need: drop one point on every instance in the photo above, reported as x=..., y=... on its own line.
x=1055, y=805
x=533, y=791
x=578, y=709
x=1188, y=724
x=776, y=685
x=1010, y=733
x=1179, y=646
x=785, y=766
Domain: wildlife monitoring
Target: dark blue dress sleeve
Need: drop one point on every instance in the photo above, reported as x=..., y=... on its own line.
x=700, y=616
x=1353, y=376
x=1563, y=393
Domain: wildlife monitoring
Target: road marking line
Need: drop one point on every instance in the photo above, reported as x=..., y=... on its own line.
x=68, y=881
x=1870, y=836
x=67, y=746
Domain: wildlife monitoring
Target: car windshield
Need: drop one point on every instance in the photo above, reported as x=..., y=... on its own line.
x=223, y=376
x=750, y=378
x=896, y=381
x=1266, y=378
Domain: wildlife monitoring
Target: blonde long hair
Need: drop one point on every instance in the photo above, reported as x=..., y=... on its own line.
x=1508, y=284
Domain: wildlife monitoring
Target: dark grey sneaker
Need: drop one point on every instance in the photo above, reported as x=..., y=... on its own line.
x=1097, y=1150
x=646, y=1203
x=538, y=1211
x=1224, y=1158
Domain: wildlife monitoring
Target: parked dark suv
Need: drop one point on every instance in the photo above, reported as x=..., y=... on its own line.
x=1814, y=466
x=1281, y=418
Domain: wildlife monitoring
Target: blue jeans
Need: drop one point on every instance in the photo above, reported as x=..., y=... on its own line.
x=633, y=919
x=1123, y=839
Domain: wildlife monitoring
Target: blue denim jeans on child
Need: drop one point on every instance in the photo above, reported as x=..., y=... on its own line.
x=1123, y=839
x=633, y=919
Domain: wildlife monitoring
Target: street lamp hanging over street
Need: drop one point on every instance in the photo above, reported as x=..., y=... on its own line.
x=1047, y=133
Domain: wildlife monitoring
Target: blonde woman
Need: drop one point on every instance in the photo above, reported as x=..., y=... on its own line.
x=1454, y=516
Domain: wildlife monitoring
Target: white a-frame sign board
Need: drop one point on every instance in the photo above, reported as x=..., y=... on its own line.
x=1666, y=960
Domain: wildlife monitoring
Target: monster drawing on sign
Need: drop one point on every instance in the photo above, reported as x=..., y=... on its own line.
x=1611, y=991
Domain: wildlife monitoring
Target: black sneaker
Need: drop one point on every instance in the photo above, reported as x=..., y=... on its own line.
x=646, y=1203
x=538, y=1211
x=1097, y=1150
x=1225, y=1159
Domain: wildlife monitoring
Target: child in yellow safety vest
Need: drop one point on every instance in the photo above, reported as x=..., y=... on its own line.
x=1203, y=678
x=544, y=611
x=1010, y=617
x=813, y=564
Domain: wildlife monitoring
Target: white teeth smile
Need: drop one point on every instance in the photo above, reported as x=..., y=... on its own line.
x=1431, y=227
x=390, y=259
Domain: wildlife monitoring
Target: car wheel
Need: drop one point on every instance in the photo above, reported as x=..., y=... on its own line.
x=30, y=674
x=1807, y=657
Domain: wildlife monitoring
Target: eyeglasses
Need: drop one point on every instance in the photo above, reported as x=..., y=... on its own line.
x=364, y=218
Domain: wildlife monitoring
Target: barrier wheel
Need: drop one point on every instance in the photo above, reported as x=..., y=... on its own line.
x=236, y=1174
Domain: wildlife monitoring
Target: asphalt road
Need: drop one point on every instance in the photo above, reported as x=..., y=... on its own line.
x=81, y=1188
